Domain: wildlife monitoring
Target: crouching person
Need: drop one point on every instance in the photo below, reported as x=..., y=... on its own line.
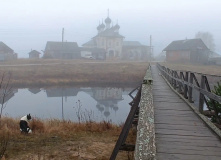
x=24, y=124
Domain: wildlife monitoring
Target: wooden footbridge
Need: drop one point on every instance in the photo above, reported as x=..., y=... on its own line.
x=169, y=126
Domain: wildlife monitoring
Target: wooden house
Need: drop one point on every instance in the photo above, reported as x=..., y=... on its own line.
x=34, y=54
x=62, y=50
x=6, y=53
x=134, y=50
x=189, y=50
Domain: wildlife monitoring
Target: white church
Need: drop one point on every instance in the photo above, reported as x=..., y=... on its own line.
x=109, y=39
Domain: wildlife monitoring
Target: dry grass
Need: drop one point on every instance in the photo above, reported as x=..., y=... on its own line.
x=56, y=139
x=60, y=72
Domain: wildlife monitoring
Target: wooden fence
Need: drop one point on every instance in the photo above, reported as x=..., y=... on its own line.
x=186, y=81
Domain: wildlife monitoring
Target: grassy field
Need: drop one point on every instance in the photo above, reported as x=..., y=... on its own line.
x=54, y=139
x=27, y=73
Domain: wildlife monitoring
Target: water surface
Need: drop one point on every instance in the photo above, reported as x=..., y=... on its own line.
x=92, y=103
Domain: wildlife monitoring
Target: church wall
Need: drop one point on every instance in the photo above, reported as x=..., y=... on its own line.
x=109, y=43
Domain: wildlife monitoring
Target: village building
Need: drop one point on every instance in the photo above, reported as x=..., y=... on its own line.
x=134, y=50
x=188, y=50
x=6, y=53
x=62, y=50
x=34, y=54
x=109, y=39
x=161, y=57
x=215, y=58
x=93, y=53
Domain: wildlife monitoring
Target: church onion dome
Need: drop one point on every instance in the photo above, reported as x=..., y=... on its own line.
x=117, y=26
x=99, y=27
x=108, y=20
x=106, y=113
x=102, y=26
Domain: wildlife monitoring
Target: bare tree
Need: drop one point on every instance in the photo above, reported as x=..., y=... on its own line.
x=207, y=38
x=5, y=91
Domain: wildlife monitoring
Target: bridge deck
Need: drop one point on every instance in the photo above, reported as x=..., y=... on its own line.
x=180, y=133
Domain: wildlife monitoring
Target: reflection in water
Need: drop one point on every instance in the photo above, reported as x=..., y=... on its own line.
x=106, y=103
x=7, y=97
x=34, y=90
x=107, y=98
x=62, y=92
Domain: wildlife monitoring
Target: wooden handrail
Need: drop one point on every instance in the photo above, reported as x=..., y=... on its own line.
x=184, y=80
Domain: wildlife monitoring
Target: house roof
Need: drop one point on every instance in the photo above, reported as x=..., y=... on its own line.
x=131, y=43
x=188, y=44
x=110, y=33
x=5, y=48
x=90, y=43
x=62, y=92
x=34, y=52
x=61, y=46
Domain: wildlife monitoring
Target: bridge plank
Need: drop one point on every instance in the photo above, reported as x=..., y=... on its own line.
x=193, y=146
x=180, y=126
x=198, y=133
x=169, y=156
x=180, y=133
x=188, y=142
x=184, y=150
x=192, y=137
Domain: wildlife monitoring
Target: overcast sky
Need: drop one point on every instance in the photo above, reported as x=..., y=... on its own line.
x=29, y=24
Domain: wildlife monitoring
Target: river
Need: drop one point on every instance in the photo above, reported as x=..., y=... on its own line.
x=75, y=104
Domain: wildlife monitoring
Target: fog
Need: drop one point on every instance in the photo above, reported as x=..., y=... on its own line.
x=26, y=25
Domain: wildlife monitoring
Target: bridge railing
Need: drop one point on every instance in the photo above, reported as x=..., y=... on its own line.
x=185, y=81
x=145, y=147
x=141, y=106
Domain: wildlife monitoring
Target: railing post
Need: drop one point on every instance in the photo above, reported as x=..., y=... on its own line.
x=175, y=76
x=185, y=86
x=165, y=72
x=190, y=90
x=168, y=75
x=180, y=84
x=172, y=80
x=201, y=98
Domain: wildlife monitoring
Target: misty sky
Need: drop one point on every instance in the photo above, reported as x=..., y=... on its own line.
x=29, y=24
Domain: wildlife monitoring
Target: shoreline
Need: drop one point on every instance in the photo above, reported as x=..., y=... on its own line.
x=80, y=84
